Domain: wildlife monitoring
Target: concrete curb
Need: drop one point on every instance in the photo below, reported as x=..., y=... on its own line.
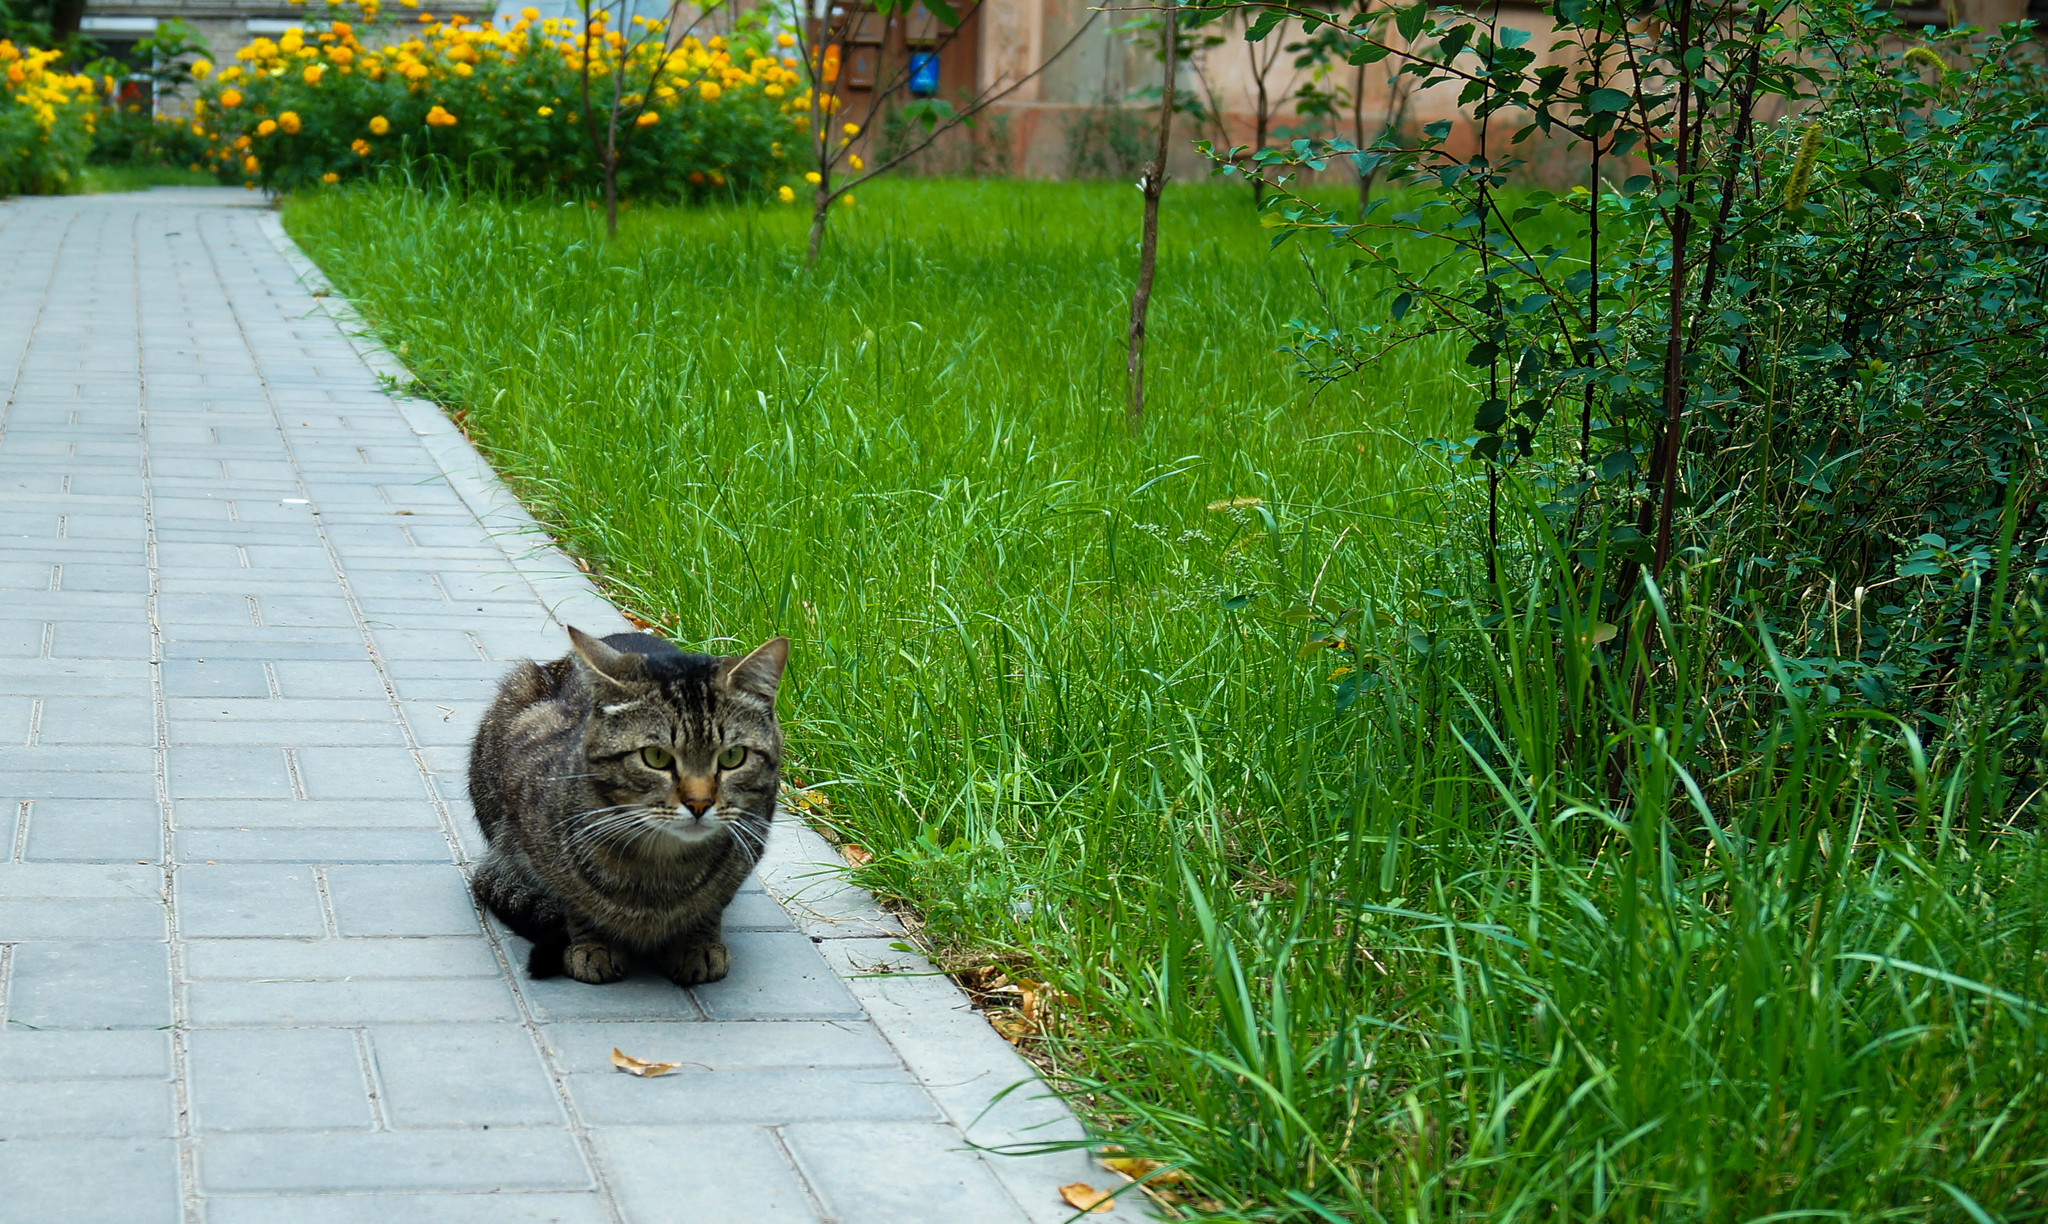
x=978, y=1081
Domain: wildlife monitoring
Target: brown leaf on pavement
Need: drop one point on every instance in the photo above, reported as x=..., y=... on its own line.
x=640, y=1066
x=858, y=855
x=1084, y=1197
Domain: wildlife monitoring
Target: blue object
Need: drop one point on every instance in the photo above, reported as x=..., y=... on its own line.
x=924, y=73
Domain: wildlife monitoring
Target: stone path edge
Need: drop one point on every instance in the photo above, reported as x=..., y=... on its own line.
x=983, y=1086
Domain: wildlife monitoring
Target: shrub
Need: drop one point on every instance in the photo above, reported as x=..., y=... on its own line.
x=501, y=108
x=46, y=122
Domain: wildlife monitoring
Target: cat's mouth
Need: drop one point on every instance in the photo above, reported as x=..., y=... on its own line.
x=689, y=827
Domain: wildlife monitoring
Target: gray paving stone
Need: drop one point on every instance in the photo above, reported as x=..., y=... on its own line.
x=746, y=1045
x=482, y=1160
x=74, y=984
x=90, y=1108
x=753, y=1181
x=46, y=919
x=896, y=1173
x=338, y=959
x=360, y=773
x=401, y=900
x=245, y=899
x=26, y=1054
x=776, y=976
x=303, y=814
x=642, y=996
x=228, y=772
x=303, y=845
x=118, y=830
x=362, y=1001
x=463, y=1075
x=91, y=1181
x=486, y=1208
x=277, y=1079
x=769, y=1097
x=97, y=720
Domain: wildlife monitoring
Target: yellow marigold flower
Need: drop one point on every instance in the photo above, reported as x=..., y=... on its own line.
x=231, y=98
x=856, y=162
x=530, y=13
x=330, y=178
x=361, y=147
x=379, y=125
x=709, y=90
x=201, y=69
x=289, y=121
x=250, y=164
x=341, y=56
x=847, y=199
x=266, y=127
x=314, y=74
x=463, y=70
x=851, y=129
x=414, y=71
x=545, y=111
x=786, y=193
x=813, y=178
x=647, y=119
x=437, y=117
x=773, y=91
x=785, y=39
x=241, y=142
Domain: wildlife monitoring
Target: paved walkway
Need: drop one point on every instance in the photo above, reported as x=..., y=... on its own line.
x=251, y=606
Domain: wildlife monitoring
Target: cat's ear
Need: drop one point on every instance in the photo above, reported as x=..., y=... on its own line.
x=760, y=672
x=616, y=666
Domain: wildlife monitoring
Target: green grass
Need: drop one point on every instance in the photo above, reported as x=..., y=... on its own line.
x=94, y=180
x=1403, y=959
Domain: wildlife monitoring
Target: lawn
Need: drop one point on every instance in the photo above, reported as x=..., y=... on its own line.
x=1313, y=925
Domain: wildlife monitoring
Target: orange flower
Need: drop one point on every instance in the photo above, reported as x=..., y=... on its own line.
x=266, y=127
x=437, y=117
x=330, y=178
x=289, y=121
x=379, y=125
x=250, y=164
x=231, y=98
x=648, y=119
x=361, y=147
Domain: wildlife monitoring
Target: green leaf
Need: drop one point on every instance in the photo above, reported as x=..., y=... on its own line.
x=1264, y=25
x=1604, y=101
x=1409, y=20
x=1401, y=305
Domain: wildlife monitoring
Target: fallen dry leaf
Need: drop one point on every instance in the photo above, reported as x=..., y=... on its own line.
x=1013, y=1027
x=1138, y=1168
x=640, y=1066
x=1084, y=1197
x=859, y=856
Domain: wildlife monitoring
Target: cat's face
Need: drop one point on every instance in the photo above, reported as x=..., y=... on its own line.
x=681, y=748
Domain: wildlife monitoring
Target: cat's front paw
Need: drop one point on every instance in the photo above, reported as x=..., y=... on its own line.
x=594, y=963
x=692, y=964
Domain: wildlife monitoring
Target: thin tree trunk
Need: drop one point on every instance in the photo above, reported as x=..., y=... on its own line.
x=1262, y=120
x=1365, y=176
x=821, y=208
x=1148, y=243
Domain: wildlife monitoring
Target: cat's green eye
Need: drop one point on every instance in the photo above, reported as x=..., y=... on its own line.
x=655, y=757
x=732, y=757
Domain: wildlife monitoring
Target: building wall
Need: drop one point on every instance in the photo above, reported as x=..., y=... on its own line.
x=1107, y=66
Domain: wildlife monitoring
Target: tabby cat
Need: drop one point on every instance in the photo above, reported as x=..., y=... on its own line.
x=625, y=790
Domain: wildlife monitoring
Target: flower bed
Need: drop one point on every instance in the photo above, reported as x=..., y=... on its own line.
x=502, y=108
x=46, y=122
